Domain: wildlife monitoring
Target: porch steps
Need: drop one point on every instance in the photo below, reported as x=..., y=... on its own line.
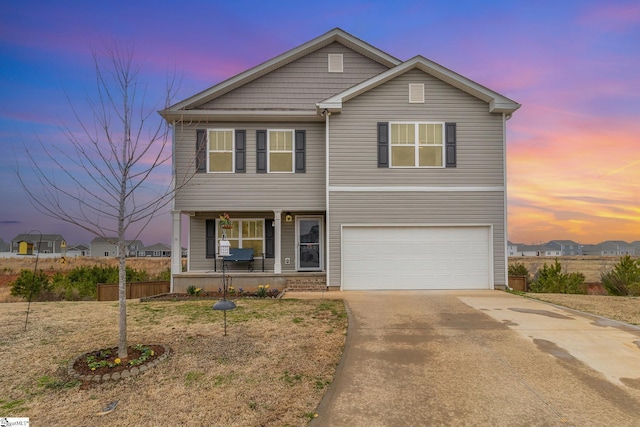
x=307, y=284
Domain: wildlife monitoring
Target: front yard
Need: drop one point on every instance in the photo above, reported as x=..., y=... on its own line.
x=272, y=368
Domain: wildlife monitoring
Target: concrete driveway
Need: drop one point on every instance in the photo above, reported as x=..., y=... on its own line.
x=421, y=358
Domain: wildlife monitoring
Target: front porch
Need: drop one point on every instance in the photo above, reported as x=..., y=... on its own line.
x=249, y=281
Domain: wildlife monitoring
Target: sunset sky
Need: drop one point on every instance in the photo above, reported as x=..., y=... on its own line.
x=573, y=148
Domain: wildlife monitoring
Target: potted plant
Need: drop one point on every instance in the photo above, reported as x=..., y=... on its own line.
x=225, y=221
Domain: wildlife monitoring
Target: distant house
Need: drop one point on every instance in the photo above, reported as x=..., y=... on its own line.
x=157, y=250
x=108, y=248
x=512, y=249
x=78, y=250
x=564, y=247
x=4, y=247
x=636, y=246
x=610, y=248
x=44, y=244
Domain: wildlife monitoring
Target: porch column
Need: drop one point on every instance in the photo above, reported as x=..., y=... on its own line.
x=277, y=232
x=176, y=244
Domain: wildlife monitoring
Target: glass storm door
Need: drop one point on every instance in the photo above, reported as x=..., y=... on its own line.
x=309, y=243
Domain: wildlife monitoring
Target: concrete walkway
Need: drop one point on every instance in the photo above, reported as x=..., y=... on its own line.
x=422, y=358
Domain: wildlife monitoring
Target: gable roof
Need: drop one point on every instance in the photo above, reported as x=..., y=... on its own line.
x=35, y=237
x=497, y=103
x=336, y=35
x=157, y=247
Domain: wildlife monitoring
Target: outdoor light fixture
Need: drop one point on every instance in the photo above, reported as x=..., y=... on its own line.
x=288, y=217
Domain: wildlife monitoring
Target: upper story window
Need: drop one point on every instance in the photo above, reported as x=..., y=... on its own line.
x=417, y=144
x=280, y=150
x=220, y=148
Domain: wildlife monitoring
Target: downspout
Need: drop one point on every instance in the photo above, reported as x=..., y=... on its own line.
x=505, y=117
x=327, y=263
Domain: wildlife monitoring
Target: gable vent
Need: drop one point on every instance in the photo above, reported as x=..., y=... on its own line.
x=416, y=93
x=335, y=63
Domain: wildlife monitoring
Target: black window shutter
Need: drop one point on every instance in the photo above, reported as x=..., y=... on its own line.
x=261, y=151
x=383, y=144
x=300, y=150
x=450, y=144
x=269, y=239
x=211, y=238
x=201, y=150
x=241, y=151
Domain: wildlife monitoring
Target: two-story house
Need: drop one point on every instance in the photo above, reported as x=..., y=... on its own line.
x=336, y=159
x=101, y=247
x=38, y=243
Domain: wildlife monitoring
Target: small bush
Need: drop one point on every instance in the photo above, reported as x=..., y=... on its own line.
x=624, y=278
x=519, y=269
x=165, y=275
x=194, y=291
x=551, y=279
x=30, y=285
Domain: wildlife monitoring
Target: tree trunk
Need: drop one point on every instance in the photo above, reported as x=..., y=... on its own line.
x=122, y=299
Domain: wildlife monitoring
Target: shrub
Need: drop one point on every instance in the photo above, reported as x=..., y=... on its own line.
x=552, y=279
x=519, y=269
x=194, y=291
x=624, y=278
x=30, y=284
x=164, y=275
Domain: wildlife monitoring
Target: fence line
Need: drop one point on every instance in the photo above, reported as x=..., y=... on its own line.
x=109, y=291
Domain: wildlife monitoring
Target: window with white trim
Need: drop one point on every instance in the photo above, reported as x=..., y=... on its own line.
x=246, y=233
x=280, y=147
x=220, y=148
x=416, y=145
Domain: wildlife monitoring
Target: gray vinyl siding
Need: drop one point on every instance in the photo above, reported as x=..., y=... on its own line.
x=424, y=208
x=251, y=191
x=353, y=136
x=300, y=84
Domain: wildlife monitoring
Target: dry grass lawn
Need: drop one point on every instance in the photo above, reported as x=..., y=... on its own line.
x=270, y=370
x=624, y=309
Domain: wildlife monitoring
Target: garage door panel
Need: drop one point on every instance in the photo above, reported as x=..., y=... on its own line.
x=416, y=257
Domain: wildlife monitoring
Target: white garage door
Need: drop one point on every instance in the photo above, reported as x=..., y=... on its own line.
x=418, y=257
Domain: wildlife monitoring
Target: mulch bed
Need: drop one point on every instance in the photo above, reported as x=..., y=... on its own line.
x=210, y=295
x=79, y=367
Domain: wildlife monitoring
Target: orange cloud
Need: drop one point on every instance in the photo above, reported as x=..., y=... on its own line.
x=573, y=176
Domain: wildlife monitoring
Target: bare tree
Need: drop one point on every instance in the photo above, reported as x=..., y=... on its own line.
x=102, y=180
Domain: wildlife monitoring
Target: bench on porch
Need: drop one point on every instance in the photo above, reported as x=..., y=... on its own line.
x=240, y=255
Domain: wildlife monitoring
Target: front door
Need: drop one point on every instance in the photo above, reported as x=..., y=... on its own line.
x=309, y=236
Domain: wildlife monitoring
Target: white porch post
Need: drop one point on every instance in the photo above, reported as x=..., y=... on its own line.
x=176, y=244
x=277, y=232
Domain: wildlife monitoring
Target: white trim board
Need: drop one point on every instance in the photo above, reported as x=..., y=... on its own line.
x=404, y=189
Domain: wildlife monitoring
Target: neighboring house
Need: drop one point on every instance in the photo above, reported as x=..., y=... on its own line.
x=530, y=250
x=44, y=244
x=4, y=247
x=563, y=247
x=108, y=247
x=512, y=249
x=610, y=248
x=157, y=250
x=336, y=158
x=78, y=250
